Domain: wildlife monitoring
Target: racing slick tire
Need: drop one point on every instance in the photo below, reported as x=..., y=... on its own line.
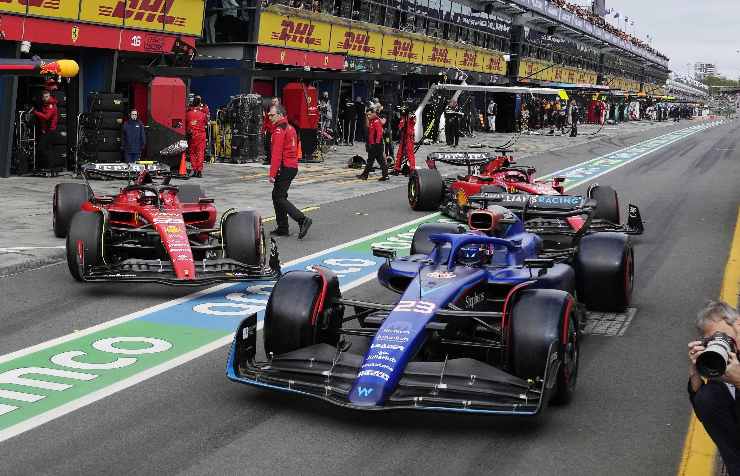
x=300, y=312
x=67, y=200
x=541, y=318
x=84, y=243
x=607, y=203
x=421, y=244
x=243, y=237
x=426, y=189
x=605, y=271
x=189, y=193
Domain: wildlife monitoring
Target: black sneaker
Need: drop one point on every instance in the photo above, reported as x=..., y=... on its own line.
x=278, y=232
x=305, y=225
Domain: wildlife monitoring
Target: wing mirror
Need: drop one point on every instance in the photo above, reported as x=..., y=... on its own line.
x=558, y=180
x=386, y=253
x=204, y=200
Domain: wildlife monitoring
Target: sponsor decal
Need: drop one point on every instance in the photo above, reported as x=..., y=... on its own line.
x=422, y=307
x=469, y=59
x=388, y=347
x=374, y=373
x=378, y=366
x=75, y=33
x=402, y=49
x=392, y=338
x=439, y=55
x=155, y=12
x=572, y=200
x=441, y=275
x=384, y=356
x=172, y=229
x=296, y=32
x=365, y=391
x=356, y=41
x=474, y=300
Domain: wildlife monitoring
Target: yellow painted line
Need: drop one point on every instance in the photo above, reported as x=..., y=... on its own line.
x=699, y=451
x=304, y=210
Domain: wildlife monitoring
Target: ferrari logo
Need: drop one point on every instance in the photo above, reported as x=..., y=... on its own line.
x=75, y=33
x=172, y=229
x=282, y=56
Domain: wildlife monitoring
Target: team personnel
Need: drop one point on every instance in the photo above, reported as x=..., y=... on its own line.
x=452, y=124
x=196, y=121
x=374, y=146
x=492, y=111
x=267, y=129
x=406, y=126
x=283, y=169
x=47, y=117
x=134, y=138
x=573, y=119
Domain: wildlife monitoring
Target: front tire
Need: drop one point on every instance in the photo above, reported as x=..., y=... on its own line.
x=85, y=243
x=243, y=237
x=68, y=199
x=425, y=190
x=543, y=320
x=293, y=319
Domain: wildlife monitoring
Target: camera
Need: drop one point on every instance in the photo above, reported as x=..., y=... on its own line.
x=713, y=361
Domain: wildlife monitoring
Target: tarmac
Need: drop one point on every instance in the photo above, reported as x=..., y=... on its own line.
x=27, y=240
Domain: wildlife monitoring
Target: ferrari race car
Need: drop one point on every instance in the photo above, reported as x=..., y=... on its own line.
x=489, y=173
x=487, y=321
x=153, y=231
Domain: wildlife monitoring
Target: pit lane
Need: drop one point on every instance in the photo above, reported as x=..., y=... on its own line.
x=629, y=415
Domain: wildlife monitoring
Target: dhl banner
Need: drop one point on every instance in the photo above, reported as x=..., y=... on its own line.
x=171, y=16
x=623, y=84
x=545, y=71
x=291, y=31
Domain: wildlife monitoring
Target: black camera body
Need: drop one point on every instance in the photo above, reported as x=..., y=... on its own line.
x=713, y=361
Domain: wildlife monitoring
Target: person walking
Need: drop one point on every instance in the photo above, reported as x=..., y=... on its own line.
x=573, y=118
x=283, y=169
x=452, y=124
x=406, y=126
x=195, y=126
x=134, y=138
x=267, y=131
x=374, y=146
x=492, y=112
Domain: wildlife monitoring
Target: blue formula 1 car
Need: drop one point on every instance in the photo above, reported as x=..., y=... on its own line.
x=487, y=321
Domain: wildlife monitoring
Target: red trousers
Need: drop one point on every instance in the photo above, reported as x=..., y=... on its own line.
x=197, y=148
x=406, y=147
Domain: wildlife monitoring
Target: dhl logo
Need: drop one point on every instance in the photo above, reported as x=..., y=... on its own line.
x=571, y=77
x=46, y=4
x=439, y=55
x=494, y=64
x=150, y=11
x=356, y=42
x=403, y=49
x=470, y=59
x=558, y=74
x=296, y=33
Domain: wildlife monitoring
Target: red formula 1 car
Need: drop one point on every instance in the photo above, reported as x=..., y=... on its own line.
x=152, y=231
x=488, y=173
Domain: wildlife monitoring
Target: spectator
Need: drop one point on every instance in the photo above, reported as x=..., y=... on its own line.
x=213, y=8
x=230, y=21
x=134, y=138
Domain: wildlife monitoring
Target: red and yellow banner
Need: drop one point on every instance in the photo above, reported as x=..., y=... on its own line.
x=359, y=40
x=170, y=16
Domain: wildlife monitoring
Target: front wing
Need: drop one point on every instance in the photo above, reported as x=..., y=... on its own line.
x=326, y=372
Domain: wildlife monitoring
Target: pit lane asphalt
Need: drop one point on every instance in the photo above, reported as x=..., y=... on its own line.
x=629, y=415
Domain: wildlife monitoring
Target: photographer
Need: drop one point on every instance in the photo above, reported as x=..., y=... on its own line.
x=714, y=357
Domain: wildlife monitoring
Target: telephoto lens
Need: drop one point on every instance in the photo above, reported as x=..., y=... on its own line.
x=713, y=361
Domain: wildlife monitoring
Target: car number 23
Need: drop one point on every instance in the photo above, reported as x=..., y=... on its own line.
x=422, y=307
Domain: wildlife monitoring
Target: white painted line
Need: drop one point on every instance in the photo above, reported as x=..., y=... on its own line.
x=30, y=248
x=93, y=397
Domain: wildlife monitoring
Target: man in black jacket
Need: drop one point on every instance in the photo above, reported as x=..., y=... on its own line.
x=715, y=402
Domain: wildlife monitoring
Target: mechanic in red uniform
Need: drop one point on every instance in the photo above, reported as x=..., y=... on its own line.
x=196, y=121
x=283, y=169
x=374, y=146
x=47, y=116
x=406, y=146
x=267, y=129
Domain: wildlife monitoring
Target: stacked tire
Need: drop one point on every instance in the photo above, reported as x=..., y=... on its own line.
x=100, y=129
x=60, y=145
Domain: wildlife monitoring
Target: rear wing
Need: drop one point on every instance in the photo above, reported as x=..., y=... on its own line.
x=471, y=160
x=560, y=206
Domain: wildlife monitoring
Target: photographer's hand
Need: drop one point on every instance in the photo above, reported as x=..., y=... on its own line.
x=732, y=374
x=695, y=348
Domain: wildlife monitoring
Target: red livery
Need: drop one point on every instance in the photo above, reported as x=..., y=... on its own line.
x=153, y=231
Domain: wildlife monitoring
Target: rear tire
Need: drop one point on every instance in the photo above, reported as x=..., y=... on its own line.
x=291, y=307
x=243, y=237
x=538, y=319
x=68, y=199
x=605, y=271
x=84, y=243
x=190, y=193
x=421, y=244
x=425, y=190
x=607, y=203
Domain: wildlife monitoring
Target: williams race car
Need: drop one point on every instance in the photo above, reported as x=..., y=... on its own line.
x=487, y=321
x=489, y=173
x=153, y=231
